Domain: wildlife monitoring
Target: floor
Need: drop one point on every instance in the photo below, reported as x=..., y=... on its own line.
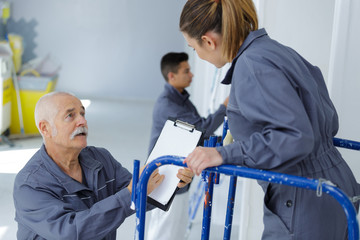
x=123, y=127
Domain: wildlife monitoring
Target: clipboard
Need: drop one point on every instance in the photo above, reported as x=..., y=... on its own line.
x=177, y=138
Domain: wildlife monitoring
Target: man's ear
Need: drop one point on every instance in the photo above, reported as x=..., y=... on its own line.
x=170, y=76
x=209, y=40
x=45, y=128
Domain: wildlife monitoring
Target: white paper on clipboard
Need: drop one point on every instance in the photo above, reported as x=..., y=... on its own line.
x=176, y=138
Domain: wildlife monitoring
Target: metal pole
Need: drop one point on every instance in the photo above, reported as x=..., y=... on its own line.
x=135, y=180
x=230, y=207
x=209, y=188
x=343, y=143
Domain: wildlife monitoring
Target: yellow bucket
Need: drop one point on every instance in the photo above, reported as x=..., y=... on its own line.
x=28, y=99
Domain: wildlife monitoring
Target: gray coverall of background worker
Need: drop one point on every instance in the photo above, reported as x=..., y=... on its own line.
x=174, y=104
x=282, y=119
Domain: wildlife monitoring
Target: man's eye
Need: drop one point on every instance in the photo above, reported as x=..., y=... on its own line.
x=69, y=115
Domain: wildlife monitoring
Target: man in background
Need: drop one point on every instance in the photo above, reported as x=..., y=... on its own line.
x=174, y=103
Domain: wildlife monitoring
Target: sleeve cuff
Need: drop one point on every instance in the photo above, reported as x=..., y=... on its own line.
x=231, y=154
x=124, y=198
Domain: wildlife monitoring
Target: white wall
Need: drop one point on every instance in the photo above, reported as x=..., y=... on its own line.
x=305, y=26
x=108, y=48
x=344, y=75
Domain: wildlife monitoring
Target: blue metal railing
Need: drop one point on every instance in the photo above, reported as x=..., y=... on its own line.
x=140, y=190
x=344, y=143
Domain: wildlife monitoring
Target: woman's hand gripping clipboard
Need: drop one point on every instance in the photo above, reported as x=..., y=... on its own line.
x=177, y=138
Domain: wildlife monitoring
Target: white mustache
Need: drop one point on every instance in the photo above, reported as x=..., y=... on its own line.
x=79, y=130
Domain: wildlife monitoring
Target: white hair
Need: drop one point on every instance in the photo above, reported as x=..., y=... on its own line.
x=46, y=110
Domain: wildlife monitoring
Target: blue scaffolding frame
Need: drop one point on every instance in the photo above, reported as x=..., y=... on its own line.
x=211, y=175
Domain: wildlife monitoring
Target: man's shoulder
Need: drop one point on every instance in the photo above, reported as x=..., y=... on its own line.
x=167, y=101
x=33, y=169
x=164, y=102
x=169, y=94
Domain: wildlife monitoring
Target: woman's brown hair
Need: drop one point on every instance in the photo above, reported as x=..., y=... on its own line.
x=233, y=19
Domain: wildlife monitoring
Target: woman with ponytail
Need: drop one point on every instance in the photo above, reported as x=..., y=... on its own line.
x=280, y=116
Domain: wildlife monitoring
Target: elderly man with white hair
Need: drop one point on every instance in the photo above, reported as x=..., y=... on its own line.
x=69, y=190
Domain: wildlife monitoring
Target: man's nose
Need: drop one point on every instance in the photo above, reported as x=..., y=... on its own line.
x=81, y=121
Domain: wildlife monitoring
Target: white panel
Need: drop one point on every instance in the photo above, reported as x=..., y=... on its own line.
x=344, y=72
x=305, y=26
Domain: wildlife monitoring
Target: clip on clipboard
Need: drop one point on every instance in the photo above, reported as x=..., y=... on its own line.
x=177, y=138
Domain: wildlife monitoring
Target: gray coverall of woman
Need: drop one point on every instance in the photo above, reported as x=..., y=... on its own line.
x=282, y=119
